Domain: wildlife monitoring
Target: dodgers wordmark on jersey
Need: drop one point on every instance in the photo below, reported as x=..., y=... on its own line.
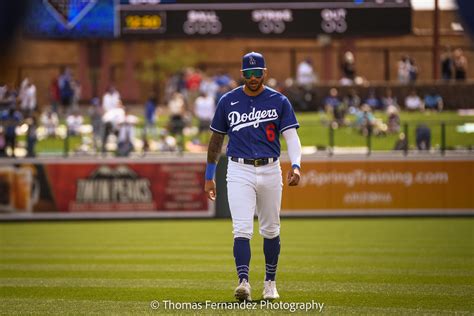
x=253, y=123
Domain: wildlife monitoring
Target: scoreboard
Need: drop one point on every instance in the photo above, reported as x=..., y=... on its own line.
x=217, y=19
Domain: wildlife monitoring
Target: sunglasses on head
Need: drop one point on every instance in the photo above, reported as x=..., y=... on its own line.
x=257, y=73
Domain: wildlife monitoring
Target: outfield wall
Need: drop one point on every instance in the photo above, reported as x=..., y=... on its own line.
x=173, y=187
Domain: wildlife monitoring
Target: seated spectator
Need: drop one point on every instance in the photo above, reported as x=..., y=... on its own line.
x=334, y=106
x=332, y=100
x=177, y=110
x=352, y=101
x=50, y=121
x=423, y=137
x=393, y=124
x=433, y=101
x=373, y=101
x=74, y=122
x=365, y=120
x=413, y=102
x=389, y=99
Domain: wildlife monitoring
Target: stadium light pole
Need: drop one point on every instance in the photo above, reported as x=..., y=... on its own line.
x=436, y=41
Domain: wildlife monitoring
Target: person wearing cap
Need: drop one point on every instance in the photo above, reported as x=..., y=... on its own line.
x=253, y=116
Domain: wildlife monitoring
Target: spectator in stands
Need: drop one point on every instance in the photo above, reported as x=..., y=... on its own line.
x=74, y=123
x=31, y=136
x=447, y=64
x=413, y=102
x=66, y=91
x=110, y=99
x=3, y=143
x=352, y=101
x=126, y=134
x=11, y=119
x=95, y=115
x=50, y=121
x=348, y=69
x=204, y=109
x=111, y=119
x=389, y=100
x=413, y=70
x=433, y=101
x=305, y=76
x=365, y=120
x=393, y=123
x=177, y=110
x=334, y=106
x=208, y=86
x=193, y=82
x=3, y=92
x=373, y=101
x=460, y=65
x=151, y=116
x=54, y=94
x=403, y=71
x=423, y=137
x=28, y=97
x=77, y=92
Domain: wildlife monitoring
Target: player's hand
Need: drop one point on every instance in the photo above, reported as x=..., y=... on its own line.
x=210, y=188
x=293, y=177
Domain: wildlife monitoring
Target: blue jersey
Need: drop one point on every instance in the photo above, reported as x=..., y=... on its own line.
x=253, y=124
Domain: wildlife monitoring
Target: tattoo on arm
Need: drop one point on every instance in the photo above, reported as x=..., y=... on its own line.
x=215, y=147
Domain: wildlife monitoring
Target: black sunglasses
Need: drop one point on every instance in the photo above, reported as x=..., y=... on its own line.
x=257, y=73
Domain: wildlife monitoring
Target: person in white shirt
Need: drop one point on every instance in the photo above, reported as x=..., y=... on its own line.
x=413, y=102
x=74, y=122
x=50, y=121
x=28, y=97
x=111, y=99
x=305, y=76
x=204, y=108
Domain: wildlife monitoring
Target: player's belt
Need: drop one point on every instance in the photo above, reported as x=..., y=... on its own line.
x=254, y=162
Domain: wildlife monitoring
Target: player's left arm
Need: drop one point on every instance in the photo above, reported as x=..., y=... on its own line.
x=294, y=151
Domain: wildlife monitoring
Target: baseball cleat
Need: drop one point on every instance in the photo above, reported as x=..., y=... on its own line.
x=270, y=291
x=242, y=292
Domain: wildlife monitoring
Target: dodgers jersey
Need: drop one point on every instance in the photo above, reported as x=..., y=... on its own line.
x=253, y=123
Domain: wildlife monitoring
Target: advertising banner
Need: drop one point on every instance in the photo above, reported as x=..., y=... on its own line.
x=401, y=186
x=170, y=189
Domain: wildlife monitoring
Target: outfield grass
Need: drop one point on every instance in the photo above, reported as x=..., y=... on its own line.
x=353, y=266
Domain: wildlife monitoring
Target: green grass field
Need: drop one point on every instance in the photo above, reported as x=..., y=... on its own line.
x=354, y=266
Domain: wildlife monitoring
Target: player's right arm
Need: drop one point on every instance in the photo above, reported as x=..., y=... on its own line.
x=215, y=148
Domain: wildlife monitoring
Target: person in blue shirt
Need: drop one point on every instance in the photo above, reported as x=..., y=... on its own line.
x=253, y=116
x=151, y=117
x=10, y=119
x=433, y=101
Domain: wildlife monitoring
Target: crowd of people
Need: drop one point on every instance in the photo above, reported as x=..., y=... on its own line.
x=190, y=98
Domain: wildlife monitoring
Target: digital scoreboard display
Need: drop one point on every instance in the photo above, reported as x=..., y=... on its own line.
x=214, y=19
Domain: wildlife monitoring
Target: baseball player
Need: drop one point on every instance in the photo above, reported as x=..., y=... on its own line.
x=253, y=116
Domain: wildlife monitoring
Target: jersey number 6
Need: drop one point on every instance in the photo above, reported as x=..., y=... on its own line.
x=270, y=130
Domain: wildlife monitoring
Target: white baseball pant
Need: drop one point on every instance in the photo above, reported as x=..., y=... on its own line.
x=253, y=190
